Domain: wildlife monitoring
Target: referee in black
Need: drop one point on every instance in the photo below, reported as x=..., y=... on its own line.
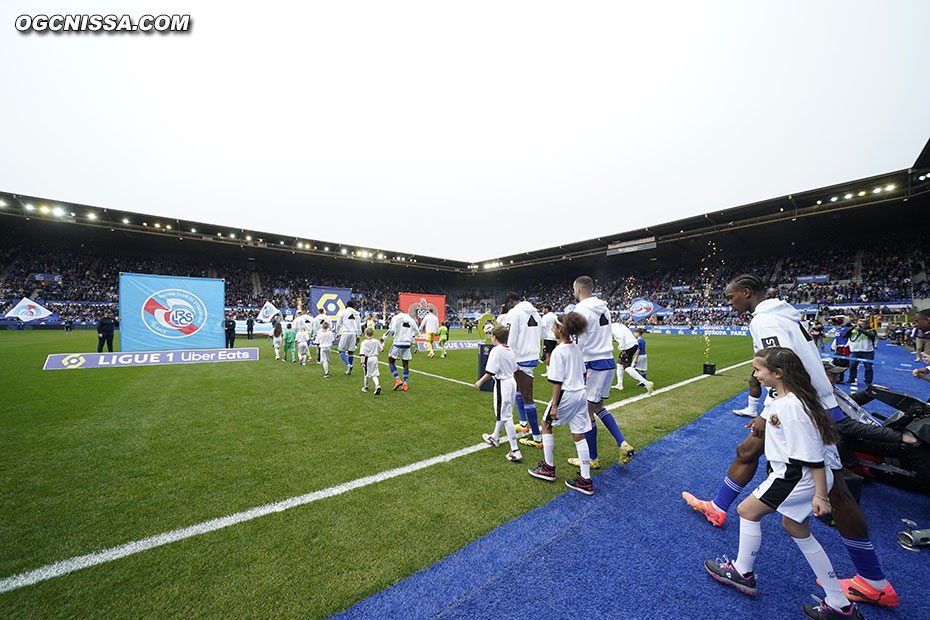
x=105, y=327
x=230, y=326
x=250, y=327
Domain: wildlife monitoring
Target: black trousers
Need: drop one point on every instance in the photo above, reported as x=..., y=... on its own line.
x=108, y=338
x=249, y=337
x=230, y=340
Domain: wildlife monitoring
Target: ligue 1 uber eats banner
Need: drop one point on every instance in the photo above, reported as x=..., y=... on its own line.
x=163, y=312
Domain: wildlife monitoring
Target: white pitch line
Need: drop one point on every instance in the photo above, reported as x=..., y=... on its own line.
x=114, y=553
x=76, y=563
x=669, y=388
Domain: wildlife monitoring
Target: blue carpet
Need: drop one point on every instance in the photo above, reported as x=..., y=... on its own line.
x=635, y=549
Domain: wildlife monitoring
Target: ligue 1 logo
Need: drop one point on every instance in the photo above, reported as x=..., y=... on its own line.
x=330, y=304
x=641, y=308
x=174, y=313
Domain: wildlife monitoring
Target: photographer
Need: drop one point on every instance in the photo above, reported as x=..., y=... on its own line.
x=862, y=346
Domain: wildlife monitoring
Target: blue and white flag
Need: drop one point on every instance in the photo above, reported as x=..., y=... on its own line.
x=164, y=312
x=267, y=312
x=28, y=310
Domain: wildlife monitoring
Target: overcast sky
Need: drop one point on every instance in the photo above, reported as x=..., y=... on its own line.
x=465, y=130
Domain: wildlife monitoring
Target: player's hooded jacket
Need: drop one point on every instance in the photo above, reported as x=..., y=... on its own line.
x=776, y=323
x=596, y=343
x=403, y=328
x=523, y=322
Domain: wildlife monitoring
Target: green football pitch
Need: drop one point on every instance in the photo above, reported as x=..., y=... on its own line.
x=97, y=458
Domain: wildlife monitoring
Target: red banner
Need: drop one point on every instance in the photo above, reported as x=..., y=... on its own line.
x=417, y=305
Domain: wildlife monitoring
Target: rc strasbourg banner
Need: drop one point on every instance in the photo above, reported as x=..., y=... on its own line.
x=163, y=312
x=418, y=305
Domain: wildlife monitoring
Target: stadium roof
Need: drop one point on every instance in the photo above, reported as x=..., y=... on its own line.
x=813, y=214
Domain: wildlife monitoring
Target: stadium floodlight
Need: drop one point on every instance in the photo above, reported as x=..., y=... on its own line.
x=72, y=214
x=157, y=225
x=168, y=226
x=232, y=235
x=193, y=230
x=281, y=242
x=300, y=245
x=889, y=187
x=862, y=193
x=921, y=177
x=833, y=199
x=343, y=250
x=248, y=237
x=29, y=207
x=91, y=216
x=58, y=212
x=145, y=223
x=877, y=190
x=125, y=220
x=43, y=209
x=820, y=202
x=326, y=249
x=380, y=256
x=3, y=203
x=847, y=196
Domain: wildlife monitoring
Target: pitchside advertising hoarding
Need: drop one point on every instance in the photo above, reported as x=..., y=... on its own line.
x=164, y=312
x=72, y=361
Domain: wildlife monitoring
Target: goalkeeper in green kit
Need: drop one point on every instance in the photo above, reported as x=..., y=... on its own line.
x=443, y=337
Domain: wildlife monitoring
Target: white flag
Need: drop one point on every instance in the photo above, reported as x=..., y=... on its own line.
x=267, y=312
x=28, y=310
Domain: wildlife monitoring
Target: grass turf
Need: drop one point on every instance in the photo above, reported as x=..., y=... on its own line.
x=98, y=457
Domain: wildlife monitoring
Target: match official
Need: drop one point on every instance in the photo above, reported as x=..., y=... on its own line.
x=229, y=325
x=105, y=327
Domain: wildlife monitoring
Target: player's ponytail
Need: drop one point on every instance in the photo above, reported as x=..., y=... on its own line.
x=797, y=381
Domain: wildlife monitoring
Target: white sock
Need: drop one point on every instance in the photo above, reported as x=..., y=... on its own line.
x=635, y=374
x=750, y=539
x=753, y=403
x=497, y=429
x=511, y=434
x=326, y=367
x=548, y=442
x=823, y=569
x=619, y=375
x=377, y=383
x=584, y=457
x=366, y=382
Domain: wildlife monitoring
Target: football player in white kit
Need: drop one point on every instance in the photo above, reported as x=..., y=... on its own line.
x=349, y=328
x=430, y=326
x=629, y=349
x=404, y=329
x=597, y=350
